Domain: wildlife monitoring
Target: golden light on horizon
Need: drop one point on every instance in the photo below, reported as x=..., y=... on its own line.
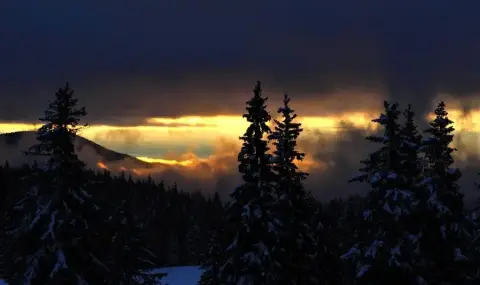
x=359, y=120
x=236, y=125
x=467, y=131
x=188, y=132
x=214, y=121
x=166, y=161
x=462, y=121
x=18, y=127
x=197, y=128
x=103, y=165
x=206, y=128
x=227, y=124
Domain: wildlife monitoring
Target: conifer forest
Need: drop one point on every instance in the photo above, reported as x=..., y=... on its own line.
x=63, y=223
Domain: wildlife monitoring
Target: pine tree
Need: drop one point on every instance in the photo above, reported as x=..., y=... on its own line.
x=5, y=186
x=473, y=227
x=384, y=252
x=53, y=236
x=474, y=224
x=334, y=223
x=445, y=240
x=193, y=243
x=296, y=251
x=476, y=208
x=413, y=160
x=409, y=148
x=131, y=260
x=252, y=227
x=159, y=231
x=211, y=261
x=173, y=250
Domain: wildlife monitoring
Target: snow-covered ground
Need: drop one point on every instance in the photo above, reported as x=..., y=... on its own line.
x=182, y=275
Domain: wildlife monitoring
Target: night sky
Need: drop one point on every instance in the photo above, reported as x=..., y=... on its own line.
x=130, y=62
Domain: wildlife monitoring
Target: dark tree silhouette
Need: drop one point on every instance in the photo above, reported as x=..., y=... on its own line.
x=445, y=242
x=297, y=241
x=250, y=216
x=53, y=238
x=384, y=248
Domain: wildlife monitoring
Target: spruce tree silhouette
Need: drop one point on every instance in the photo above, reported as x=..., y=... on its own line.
x=212, y=257
x=130, y=260
x=250, y=220
x=54, y=235
x=297, y=242
x=446, y=240
x=383, y=251
x=411, y=142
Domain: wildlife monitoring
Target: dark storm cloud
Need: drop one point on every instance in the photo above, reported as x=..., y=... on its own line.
x=147, y=58
x=351, y=147
x=342, y=165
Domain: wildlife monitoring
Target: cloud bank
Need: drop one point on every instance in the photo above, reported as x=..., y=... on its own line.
x=129, y=61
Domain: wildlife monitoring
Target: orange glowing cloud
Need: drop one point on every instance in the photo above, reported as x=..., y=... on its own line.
x=166, y=161
x=102, y=165
x=462, y=121
x=221, y=134
x=467, y=132
x=18, y=127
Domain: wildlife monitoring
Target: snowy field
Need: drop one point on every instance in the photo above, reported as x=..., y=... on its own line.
x=183, y=275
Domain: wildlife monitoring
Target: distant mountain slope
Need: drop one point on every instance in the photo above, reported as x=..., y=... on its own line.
x=12, y=146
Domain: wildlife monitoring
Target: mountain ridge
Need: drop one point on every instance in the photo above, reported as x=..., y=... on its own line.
x=90, y=152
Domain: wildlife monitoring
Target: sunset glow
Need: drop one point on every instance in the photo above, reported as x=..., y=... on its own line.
x=175, y=142
x=166, y=161
x=102, y=165
x=463, y=122
x=17, y=127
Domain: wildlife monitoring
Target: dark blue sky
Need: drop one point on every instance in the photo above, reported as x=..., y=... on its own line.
x=166, y=58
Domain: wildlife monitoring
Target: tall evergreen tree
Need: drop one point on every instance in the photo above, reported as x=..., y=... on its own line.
x=6, y=192
x=411, y=140
x=473, y=226
x=384, y=252
x=212, y=261
x=252, y=227
x=445, y=240
x=296, y=251
x=54, y=235
x=173, y=254
x=192, y=240
x=438, y=154
x=131, y=261
x=336, y=223
x=413, y=160
x=476, y=206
